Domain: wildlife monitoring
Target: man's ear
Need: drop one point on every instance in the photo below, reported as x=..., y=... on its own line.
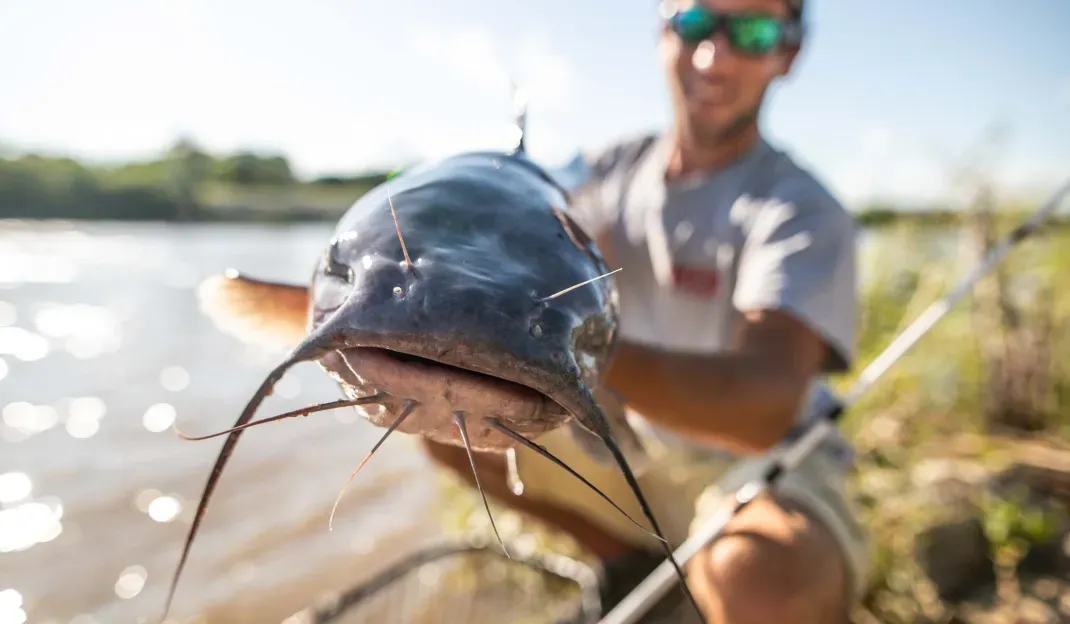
x=789, y=57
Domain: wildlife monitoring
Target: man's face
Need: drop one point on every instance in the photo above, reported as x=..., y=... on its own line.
x=717, y=90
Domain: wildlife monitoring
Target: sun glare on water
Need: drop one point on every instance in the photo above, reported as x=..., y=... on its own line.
x=26, y=523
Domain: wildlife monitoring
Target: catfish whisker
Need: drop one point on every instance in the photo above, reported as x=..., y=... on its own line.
x=458, y=417
x=410, y=405
x=570, y=288
x=309, y=349
x=602, y=430
x=541, y=450
x=404, y=249
x=304, y=411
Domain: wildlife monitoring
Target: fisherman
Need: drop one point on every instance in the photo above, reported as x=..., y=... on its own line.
x=737, y=294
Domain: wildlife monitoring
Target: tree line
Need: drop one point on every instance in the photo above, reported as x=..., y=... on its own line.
x=169, y=187
x=186, y=183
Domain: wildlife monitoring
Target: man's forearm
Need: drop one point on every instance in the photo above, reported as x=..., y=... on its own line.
x=734, y=399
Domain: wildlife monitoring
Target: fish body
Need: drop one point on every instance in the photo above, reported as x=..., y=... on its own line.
x=457, y=318
x=456, y=301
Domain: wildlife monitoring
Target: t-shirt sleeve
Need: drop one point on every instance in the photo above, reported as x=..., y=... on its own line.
x=595, y=205
x=799, y=257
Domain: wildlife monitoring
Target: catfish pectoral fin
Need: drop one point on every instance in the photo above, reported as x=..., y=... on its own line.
x=255, y=311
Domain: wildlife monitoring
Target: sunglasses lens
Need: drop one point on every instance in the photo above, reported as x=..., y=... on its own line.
x=694, y=24
x=756, y=34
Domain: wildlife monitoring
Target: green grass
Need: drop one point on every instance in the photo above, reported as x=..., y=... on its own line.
x=931, y=406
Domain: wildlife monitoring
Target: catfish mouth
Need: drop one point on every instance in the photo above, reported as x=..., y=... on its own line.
x=439, y=392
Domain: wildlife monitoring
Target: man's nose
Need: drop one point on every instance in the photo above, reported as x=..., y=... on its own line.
x=714, y=50
x=706, y=53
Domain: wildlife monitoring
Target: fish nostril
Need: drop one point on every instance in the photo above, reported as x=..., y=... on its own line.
x=333, y=268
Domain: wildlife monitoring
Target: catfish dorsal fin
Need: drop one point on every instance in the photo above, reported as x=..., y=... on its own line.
x=256, y=311
x=520, y=120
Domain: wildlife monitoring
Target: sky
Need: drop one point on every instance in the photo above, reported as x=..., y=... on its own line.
x=885, y=101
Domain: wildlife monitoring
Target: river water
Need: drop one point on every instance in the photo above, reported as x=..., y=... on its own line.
x=102, y=348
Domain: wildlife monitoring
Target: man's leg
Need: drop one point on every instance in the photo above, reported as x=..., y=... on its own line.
x=796, y=556
x=774, y=563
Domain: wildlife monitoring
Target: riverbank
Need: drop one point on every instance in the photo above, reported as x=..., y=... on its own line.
x=187, y=185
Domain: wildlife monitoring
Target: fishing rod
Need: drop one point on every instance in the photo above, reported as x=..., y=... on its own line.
x=650, y=590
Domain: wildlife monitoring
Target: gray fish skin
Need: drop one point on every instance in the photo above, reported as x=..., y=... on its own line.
x=476, y=327
x=488, y=237
x=457, y=292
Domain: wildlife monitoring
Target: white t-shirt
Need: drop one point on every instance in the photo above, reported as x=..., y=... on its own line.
x=760, y=233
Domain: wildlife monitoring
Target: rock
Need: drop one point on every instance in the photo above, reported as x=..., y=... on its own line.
x=1042, y=492
x=956, y=558
x=1040, y=468
x=1050, y=558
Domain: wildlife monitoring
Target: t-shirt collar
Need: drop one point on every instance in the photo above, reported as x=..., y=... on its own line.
x=661, y=152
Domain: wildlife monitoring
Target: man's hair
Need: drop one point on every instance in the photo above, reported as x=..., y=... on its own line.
x=796, y=7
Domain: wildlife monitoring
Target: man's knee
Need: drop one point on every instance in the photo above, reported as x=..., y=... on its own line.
x=772, y=565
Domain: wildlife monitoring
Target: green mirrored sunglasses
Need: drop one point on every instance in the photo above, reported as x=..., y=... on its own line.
x=748, y=33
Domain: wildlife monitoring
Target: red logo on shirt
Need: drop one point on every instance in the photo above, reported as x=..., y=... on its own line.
x=696, y=281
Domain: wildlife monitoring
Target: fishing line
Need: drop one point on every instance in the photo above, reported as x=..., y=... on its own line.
x=784, y=459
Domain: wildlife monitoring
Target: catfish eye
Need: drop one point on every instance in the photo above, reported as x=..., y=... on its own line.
x=332, y=267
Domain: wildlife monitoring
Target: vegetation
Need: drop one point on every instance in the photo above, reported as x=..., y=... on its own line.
x=184, y=184
x=960, y=459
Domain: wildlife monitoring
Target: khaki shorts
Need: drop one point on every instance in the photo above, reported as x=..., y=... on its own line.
x=684, y=488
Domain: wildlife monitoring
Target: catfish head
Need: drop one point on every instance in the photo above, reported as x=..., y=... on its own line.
x=458, y=301
x=445, y=287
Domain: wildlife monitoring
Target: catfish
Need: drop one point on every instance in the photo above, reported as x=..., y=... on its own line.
x=458, y=301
